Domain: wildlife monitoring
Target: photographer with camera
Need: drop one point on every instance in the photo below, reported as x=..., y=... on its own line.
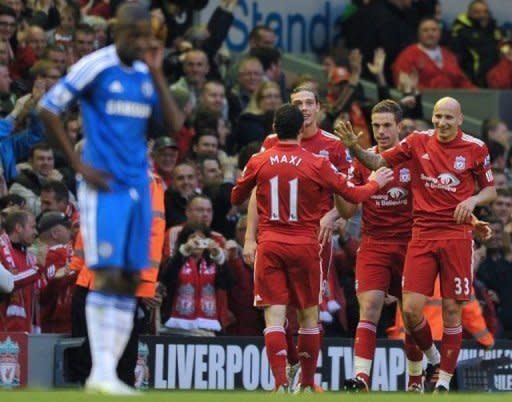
x=196, y=280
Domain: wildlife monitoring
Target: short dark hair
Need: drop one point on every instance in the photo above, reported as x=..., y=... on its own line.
x=504, y=192
x=389, y=106
x=266, y=55
x=40, y=146
x=196, y=196
x=288, y=121
x=14, y=218
x=84, y=28
x=57, y=187
x=9, y=200
x=255, y=32
x=6, y=10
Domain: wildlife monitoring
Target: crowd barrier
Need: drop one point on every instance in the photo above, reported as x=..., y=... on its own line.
x=227, y=363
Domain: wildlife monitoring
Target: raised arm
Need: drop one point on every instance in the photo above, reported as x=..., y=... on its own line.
x=369, y=159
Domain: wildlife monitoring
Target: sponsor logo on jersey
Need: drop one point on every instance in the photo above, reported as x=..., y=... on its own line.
x=444, y=181
x=460, y=163
x=391, y=198
x=425, y=156
x=128, y=109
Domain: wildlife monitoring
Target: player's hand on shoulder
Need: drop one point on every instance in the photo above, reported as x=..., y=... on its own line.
x=94, y=177
x=382, y=176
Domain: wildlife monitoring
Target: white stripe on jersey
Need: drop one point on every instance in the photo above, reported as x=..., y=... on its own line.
x=88, y=205
x=87, y=68
x=470, y=138
x=329, y=135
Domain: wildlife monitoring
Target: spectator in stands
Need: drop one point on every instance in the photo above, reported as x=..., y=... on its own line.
x=165, y=155
x=436, y=66
x=262, y=36
x=18, y=310
x=500, y=179
x=213, y=96
x=183, y=186
x=256, y=119
x=411, y=97
x=496, y=273
x=195, y=69
x=199, y=211
x=54, y=196
x=247, y=320
x=8, y=28
x=475, y=39
x=63, y=34
x=495, y=130
x=250, y=77
x=225, y=216
x=502, y=206
x=270, y=59
x=389, y=24
x=57, y=55
x=37, y=172
x=29, y=51
x=83, y=41
x=196, y=279
x=500, y=76
x=55, y=234
x=100, y=26
x=205, y=143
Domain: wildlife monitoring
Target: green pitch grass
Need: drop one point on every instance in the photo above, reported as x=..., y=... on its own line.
x=235, y=396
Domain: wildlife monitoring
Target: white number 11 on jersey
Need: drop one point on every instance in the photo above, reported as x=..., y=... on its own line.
x=274, y=199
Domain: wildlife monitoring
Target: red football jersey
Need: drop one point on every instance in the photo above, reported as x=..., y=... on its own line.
x=387, y=215
x=290, y=183
x=326, y=145
x=443, y=175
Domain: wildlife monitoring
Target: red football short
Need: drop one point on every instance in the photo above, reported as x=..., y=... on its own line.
x=288, y=274
x=451, y=259
x=379, y=266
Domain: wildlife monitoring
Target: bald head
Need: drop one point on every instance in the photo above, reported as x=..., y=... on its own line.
x=450, y=103
x=447, y=118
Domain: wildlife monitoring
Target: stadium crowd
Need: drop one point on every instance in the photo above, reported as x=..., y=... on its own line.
x=227, y=108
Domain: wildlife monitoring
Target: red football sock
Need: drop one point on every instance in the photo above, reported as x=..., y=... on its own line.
x=414, y=355
x=275, y=342
x=422, y=335
x=293, y=355
x=450, y=348
x=365, y=341
x=308, y=347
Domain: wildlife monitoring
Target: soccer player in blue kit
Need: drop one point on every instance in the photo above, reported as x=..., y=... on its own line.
x=118, y=93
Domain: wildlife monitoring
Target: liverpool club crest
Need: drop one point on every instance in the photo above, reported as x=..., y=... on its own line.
x=460, y=163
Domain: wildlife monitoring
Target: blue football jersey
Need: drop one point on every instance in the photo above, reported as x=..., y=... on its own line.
x=116, y=102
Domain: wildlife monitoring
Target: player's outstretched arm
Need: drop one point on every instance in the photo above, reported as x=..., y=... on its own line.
x=346, y=133
x=345, y=209
x=153, y=57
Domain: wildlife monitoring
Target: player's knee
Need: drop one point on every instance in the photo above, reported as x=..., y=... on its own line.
x=452, y=311
x=412, y=315
x=370, y=310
